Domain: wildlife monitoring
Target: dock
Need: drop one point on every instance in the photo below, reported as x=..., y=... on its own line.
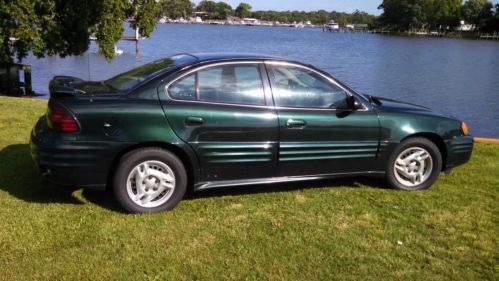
x=487, y=36
x=135, y=38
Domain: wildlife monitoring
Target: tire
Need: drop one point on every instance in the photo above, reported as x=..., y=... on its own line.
x=149, y=180
x=415, y=164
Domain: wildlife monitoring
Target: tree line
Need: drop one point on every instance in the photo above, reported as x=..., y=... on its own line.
x=221, y=11
x=401, y=15
x=407, y=15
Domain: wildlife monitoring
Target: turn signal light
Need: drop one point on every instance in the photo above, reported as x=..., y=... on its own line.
x=464, y=128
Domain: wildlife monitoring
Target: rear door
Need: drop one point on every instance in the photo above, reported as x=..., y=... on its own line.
x=319, y=133
x=225, y=113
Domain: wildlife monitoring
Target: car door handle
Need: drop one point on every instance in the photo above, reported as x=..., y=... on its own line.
x=296, y=124
x=194, y=121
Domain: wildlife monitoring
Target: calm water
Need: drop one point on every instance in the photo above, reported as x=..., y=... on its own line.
x=457, y=77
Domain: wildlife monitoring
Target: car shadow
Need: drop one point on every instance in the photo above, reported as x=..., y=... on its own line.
x=20, y=178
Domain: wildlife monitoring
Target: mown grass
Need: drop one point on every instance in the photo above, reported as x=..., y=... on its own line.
x=330, y=230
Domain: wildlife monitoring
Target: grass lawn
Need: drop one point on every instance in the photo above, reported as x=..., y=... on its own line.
x=350, y=229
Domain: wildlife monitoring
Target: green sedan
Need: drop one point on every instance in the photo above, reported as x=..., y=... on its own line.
x=202, y=121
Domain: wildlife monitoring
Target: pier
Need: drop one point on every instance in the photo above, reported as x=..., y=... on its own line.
x=486, y=36
x=135, y=38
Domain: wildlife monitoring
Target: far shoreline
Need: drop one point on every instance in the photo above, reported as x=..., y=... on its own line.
x=467, y=35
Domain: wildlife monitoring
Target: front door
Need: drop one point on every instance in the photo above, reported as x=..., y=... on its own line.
x=319, y=132
x=221, y=112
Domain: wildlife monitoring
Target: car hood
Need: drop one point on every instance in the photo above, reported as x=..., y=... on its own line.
x=73, y=86
x=387, y=104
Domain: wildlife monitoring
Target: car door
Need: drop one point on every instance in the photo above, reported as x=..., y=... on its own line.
x=223, y=112
x=319, y=131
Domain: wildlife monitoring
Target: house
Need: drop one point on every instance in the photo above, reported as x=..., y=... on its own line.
x=463, y=26
x=251, y=21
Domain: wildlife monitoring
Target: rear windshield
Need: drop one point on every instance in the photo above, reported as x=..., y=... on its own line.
x=128, y=80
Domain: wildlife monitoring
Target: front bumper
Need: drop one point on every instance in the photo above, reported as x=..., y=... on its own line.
x=459, y=150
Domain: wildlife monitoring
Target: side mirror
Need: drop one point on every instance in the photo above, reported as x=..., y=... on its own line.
x=353, y=102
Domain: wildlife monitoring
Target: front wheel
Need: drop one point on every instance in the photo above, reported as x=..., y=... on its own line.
x=149, y=180
x=414, y=165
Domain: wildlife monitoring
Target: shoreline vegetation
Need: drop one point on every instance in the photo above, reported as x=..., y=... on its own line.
x=353, y=28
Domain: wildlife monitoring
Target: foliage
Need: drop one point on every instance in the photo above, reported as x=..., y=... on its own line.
x=143, y=15
x=407, y=15
x=351, y=229
x=315, y=17
x=493, y=23
x=440, y=13
x=224, y=10
x=221, y=10
x=109, y=28
x=215, y=10
x=207, y=6
x=63, y=27
x=477, y=12
x=243, y=10
x=176, y=8
x=29, y=38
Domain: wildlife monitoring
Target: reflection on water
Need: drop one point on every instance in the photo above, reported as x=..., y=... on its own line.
x=457, y=77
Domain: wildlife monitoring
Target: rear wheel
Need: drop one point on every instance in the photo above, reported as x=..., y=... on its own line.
x=149, y=180
x=414, y=165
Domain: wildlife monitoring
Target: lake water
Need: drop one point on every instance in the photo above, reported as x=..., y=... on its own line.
x=457, y=77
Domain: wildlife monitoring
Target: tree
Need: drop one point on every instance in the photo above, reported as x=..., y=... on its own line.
x=477, y=12
x=243, y=10
x=207, y=6
x=438, y=13
x=215, y=10
x=419, y=14
x=57, y=27
x=144, y=15
x=176, y=8
x=402, y=14
x=492, y=24
x=224, y=10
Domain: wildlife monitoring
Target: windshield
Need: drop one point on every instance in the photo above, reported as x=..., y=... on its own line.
x=128, y=80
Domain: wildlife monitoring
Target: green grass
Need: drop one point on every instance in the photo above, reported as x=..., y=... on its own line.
x=343, y=230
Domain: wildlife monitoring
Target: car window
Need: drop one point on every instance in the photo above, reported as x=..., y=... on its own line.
x=233, y=83
x=238, y=84
x=128, y=80
x=300, y=87
x=184, y=89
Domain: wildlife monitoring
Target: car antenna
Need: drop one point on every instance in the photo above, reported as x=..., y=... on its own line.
x=88, y=51
x=88, y=64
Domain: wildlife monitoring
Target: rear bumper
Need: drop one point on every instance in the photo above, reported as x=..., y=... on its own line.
x=459, y=151
x=65, y=160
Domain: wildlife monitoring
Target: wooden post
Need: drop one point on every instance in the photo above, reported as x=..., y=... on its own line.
x=136, y=40
x=28, y=90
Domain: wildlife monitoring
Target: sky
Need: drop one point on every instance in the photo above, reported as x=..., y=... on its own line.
x=370, y=6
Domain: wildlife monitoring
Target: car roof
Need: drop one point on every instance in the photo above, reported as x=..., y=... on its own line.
x=205, y=57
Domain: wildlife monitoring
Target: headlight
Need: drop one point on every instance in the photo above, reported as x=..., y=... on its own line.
x=464, y=128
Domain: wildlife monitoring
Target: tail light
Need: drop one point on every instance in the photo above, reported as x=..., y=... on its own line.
x=60, y=119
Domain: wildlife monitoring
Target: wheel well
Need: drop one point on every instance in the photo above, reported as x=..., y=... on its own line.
x=171, y=148
x=437, y=140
